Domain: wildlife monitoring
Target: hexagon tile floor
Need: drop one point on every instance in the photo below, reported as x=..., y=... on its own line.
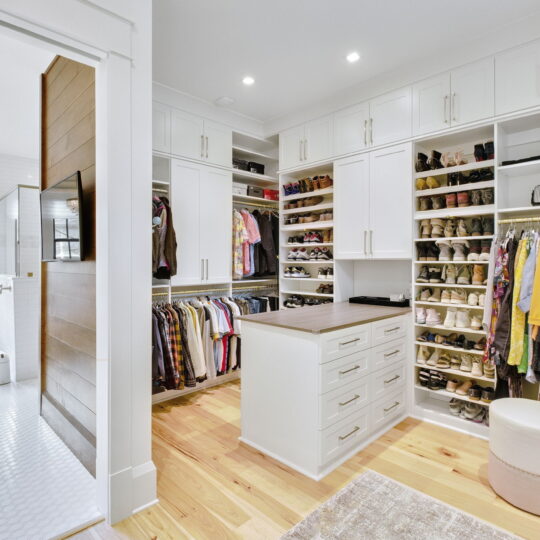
x=45, y=492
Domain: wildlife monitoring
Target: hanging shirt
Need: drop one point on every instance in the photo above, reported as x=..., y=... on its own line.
x=240, y=236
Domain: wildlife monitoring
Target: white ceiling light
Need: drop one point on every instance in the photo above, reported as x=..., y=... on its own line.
x=248, y=81
x=353, y=57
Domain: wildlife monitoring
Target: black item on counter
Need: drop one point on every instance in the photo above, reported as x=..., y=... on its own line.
x=378, y=301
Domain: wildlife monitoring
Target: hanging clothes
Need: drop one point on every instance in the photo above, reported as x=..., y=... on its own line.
x=240, y=237
x=164, y=263
x=266, y=261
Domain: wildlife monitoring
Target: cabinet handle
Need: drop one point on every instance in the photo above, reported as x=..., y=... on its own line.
x=349, y=370
x=390, y=408
x=343, y=437
x=392, y=329
x=387, y=355
x=202, y=146
x=207, y=147
x=305, y=149
x=445, y=108
x=343, y=403
x=454, y=107
x=349, y=342
x=365, y=132
x=365, y=243
x=392, y=379
x=202, y=269
x=206, y=269
x=371, y=131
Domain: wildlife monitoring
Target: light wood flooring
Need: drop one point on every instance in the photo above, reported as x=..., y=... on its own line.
x=212, y=487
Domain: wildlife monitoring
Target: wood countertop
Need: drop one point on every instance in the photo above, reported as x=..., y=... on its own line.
x=326, y=317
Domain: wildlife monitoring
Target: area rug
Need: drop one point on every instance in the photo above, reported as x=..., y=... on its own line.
x=375, y=507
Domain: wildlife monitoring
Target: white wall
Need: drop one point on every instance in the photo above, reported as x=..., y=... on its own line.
x=382, y=278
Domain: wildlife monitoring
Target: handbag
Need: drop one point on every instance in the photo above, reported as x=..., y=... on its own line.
x=535, y=196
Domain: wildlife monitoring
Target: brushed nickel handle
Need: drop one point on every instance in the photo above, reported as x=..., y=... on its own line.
x=392, y=379
x=371, y=131
x=202, y=269
x=343, y=403
x=392, y=407
x=206, y=264
x=365, y=132
x=343, y=437
x=202, y=146
x=4, y=288
x=445, y=107
x=454, y=107
x=387, y=355
x=350, y=341
x=207, y=147
x=349, y=370
x=392, y=329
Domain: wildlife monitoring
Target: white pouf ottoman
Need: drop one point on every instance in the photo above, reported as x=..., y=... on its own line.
x=514, y=452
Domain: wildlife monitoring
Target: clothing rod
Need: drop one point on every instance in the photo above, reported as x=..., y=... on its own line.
x=257, y=205
x=201, y=292
x=519, y=220
x=158, y=190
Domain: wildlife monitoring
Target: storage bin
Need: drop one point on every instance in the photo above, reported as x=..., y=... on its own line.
x=255, y=167
x=255, y=191
x=4, y=368
x=239, y=189
x=271, y=194
x=241, y=164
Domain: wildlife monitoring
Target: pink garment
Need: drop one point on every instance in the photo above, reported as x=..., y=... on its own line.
x=253, y=238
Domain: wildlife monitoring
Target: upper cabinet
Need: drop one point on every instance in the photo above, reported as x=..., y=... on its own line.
x=161, y=128
x=517, y=78
x=351, y=129
x=462, y=96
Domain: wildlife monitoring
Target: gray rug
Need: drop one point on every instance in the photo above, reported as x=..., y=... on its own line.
x=376, y=507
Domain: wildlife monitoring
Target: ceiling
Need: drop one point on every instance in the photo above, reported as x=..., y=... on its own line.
x=19, y=96
x=295, y=49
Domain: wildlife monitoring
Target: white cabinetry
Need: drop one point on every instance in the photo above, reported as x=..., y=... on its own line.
x=161, y=128
x=351, y=129
x=451, y=99
x=517, y=78
x=368, y=189
x=201, y=201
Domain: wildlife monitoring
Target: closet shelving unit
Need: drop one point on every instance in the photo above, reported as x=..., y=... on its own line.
x=429, y=404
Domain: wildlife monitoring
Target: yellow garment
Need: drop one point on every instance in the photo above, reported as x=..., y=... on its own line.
x=534, y=312
x=518, y=317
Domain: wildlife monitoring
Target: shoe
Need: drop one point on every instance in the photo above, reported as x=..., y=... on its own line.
x=480, y=345
x=435, y=275
x=451, y=385
x=322, y=273
x=330, y=273
x=450, y=319
x=450, y=228
x=447, y=159
x=434, y=161
x=475, y=392
x=474, y=250
x=476, y=197
x=424, y=295
x=433, y=317
x=463, y=388
x=325, y=254
x=458, y=296
x=423, y=276
x=421, y=184
x=462, y=229
x=481, y=299
x=314, y=255
x=459, y=159
x=477, y=370
x=489, y=149
x=456, y=406
x=437, y=202
x=425, y=204
x=445, y=253
x=472, y=300
x=488, y=394
x=455, y=362
x=421, y=164
x=474, y=412
x=287, y=272
x=476, y=322
x=422, y=354
x=487, y=225
x=485, y=250
x=478, y=274
x=477, y=229
x=437, y=381
x=302, y=254
x=487, y=196
x=420, y=315
x=445, y=296
x=432, y=182
x=443, y=362
x=479, y=152
x=460, y=247
x=451, y=200
x=423, y=377
x=435, y=296
x=452, y=179
x=463, y=199
x=464, y=276
x=463, y=319
x=466, y=363
x=449, y=273
x=437, y=228
x=292, y=254
x=425, y=228
x=459, y=342
x=432, y=252
x=489, y=371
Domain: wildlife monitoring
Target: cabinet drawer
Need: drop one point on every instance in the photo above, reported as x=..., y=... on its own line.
x=344, y=342
x=340, y=403
x=345, y=435
x=388, y=329
x=389, y=353
x=387, y=380
x=387, y=409
x=342, y=371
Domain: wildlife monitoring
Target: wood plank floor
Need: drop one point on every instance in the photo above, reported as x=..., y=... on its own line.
x=212, y=487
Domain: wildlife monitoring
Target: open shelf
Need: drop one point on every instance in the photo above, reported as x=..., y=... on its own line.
x=258, y=200
x=307, y=293
x=454, y=189
x=451, y=329
x=445, y=393
x=247, y=177
x=489, y=237
x=442, y=304
x=255, y=280
x=456, y=263
x=322, y=206
x=457, y=372
x=322, y=244
x=449, y=285
x=450, y=348
x=318, y=280
x=455, y=212
x=520, y=169
x=325, y=191
x=314, y=226
x=459, y=168
x=242, y=151
x=299, y=262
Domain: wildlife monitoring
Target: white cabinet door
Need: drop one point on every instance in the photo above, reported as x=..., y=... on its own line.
x=291, y=146
x=391, y=117
x=187, y=136
x=431, y=104
x=350, y=129
x=216, y=224
x=161, y=128
x=473, y=92
x=351, y=207
x=517, y=78
x=218, y=142
x=318, y=139
x=185, y=202
x=390, y=208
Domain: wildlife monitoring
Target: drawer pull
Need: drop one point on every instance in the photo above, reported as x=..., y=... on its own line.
x=349, y=342
x=349, y=370
x=350, y=400
x=392, y=379
x=392, y=329
x=393, y=353
x=343, y=437
x=392, y=407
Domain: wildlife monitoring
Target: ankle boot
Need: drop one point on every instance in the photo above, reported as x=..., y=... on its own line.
x=450, y=228
x=423, y=276
x=432, y=253
x=478, y=274
x=479, y=152
x=450, y=319
x=435, y=296
x=433, y=317
x=437, y=202
x=464, y=275
x=460, y=247
x=421, y=164
x=487, y=226
x=445, y=253
x=434, y=161
x=474, y=250
x=489, y=149
x=485, y=250
x=432, y=182
x=421, y=253
x=487, y=196
x=462, y=229
x=425, y=204
x=476, y=197
x=463, y=199
x=477, y=229
x=452, y=179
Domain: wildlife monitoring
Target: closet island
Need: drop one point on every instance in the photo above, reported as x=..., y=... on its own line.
x=320, y=383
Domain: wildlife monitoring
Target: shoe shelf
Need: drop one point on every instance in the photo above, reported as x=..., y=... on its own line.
x=457, y=263
x=322, y=244
x=451, y=395
x=449, y=285
x=322, y=206
x=442, y=304
x=458, y=168
x=249, y=199
x=448, y=213
x=255, y=280
x=441, y=327
x=456, y=372
x=454, y=189
x=520, y=169
x=242, y=151
x=450, y=348
x=315, y=193
x=489, y=237
x=325, y=280
x=313, y=226
x=308, y=293
x=300, y=262
x=254, y=178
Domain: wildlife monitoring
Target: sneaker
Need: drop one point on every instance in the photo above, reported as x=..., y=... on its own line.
x=424, y=295
x=322, y=274
x=485, y=250
x=433, y=317
x=293, y=253
x=474, y=250
x=325, y=254
x=481, y=299
x=476, y=322
x=472, y=300
x=445, y=253
x=478, y=274
x=458, y=296
x=421, y=315
x=464, y=275
x=422, y=355
x=302, y=254
x=460, y=247
x=330, y=273
x=462, y=229
x=314, y=255
x=477, y=229
x=287, y=272
x=450, y=228
x=423, y=276
x=455, y=405
x=435, y=296
x=463, y=319
x=435, y=275
x=450, y=274
x=445, y=296
x=477, y=370
x=450, y=320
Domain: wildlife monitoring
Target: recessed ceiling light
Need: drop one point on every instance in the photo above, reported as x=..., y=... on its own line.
x=353, y=57
x=248, y=81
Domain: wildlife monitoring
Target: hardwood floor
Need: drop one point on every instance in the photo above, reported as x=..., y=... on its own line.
x=212, y=487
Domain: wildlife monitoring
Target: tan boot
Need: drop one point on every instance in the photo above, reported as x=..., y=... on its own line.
x=478, y=275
